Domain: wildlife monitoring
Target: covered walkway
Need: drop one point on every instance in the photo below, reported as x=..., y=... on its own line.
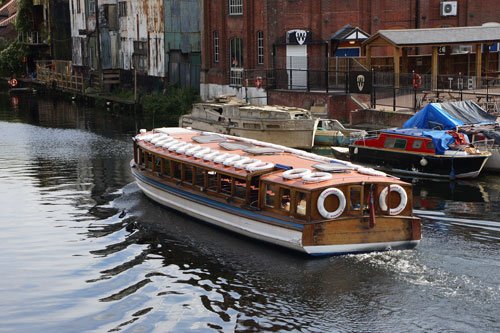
x=401, y=40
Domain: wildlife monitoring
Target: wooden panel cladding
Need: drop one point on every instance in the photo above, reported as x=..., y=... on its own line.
x=350, y=231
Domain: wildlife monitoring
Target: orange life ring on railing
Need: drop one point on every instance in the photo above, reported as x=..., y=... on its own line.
x=13, y=83
x=417, y=81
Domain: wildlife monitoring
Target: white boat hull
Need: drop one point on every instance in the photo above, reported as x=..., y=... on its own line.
x=493, y=163
x=240, y=221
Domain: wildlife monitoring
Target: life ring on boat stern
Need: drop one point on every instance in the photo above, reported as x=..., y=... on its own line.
x=417, y=81
x=321, y=203
x=296, y=173
x=402, y=196
x=13, y=83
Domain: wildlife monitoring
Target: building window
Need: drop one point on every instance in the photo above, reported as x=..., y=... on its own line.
x=91, y=7
x=216, y=46
x=236, y=49
x=260, y=47
x=122, y=9
x=235, y=7
x=78, y=7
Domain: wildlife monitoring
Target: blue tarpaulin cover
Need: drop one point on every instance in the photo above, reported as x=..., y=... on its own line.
x=441, y=139
x=449, y=116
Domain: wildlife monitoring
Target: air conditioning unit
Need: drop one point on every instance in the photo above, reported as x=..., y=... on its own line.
x=448, y=8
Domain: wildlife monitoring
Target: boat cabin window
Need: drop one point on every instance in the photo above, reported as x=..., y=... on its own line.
x=188, y=174
x=165, y=170
x=251, y=125
x=285, y=199
x=270, y=195
x=199, y=177
x=176, y=170
x=396, y=143
x=430, y=145
x=240, y=188
x=301, y=202
x=157, y=163
x=225, y=184
x=417, y=144
x=272, y=126
x=355, y=198
x=149, y=161
x=212, y=181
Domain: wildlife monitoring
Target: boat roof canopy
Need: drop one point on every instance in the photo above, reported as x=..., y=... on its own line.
x=449, y=116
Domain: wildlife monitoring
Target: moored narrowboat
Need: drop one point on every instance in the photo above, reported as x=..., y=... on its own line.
x=295, y=199
x=417, y=152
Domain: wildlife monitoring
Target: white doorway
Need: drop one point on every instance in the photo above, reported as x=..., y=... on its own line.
x=296, y=65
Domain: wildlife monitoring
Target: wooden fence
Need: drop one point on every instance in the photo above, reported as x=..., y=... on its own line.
x=59, y=73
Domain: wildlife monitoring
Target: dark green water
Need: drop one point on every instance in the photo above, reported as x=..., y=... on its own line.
x=82, y=250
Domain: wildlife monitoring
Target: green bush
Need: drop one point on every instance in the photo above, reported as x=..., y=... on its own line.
x=165, y=110
x=10, y=59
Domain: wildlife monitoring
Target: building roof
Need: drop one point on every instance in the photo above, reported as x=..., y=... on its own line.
x=348, y=32
x=436, y=36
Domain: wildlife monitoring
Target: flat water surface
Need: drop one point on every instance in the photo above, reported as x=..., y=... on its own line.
x=82, y=249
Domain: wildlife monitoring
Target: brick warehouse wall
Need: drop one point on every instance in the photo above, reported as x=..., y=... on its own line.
x=322, y=18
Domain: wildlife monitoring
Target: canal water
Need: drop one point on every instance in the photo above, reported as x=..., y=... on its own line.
x=82, y=249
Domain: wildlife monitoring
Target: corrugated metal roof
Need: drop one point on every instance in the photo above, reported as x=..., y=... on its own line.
x=440, y=36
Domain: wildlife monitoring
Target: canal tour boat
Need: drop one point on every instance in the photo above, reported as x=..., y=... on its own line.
x=287, y=197
x=423, y=153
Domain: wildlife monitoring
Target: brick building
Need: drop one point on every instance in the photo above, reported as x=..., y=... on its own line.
x=243, y=39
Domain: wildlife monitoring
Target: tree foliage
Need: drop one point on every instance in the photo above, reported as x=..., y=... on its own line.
x=165, y=110
x=10, y=59
x=24, y=12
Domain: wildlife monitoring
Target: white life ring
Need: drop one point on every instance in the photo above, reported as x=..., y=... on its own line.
x=296, y=173
x=177, y=145
x=150, y=137
x=222, y=156
x=259, y=166
x=163, y=141
x=242, y=164
x=200, y=153
x=402, y=195
x=209, y=156
x=192, y=150
x=158, y=143
x=317, y=177
x=170, y=143
x=234, y=159
x=321, y=203
x=184, y=148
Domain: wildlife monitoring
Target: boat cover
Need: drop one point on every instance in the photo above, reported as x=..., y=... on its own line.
x=441, y=139
x=449, y=116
